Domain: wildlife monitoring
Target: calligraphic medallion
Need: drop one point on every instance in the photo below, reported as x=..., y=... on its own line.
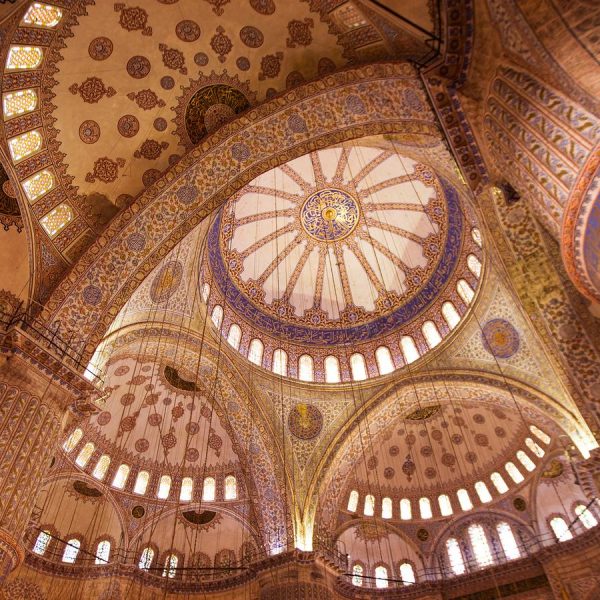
x=329, y=215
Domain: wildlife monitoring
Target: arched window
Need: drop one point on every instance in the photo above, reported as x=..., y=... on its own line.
x=37, y=185
x=102, y=552
x=41, y=542
x=479, y=543
x=101, y=467
x=24, y=57
x=230, y=487
x=120, y=478
x=386, y=508
x=425, y=508
x=455, y=558
x=525, y=460
x=170, y=569
x=141, y=482
x=499, y=483
x=431, y=334
x=234, y=337
x=561, y=529
x=464, y=500
x=476, y=235
x=85, y=454
x=71, y=551
x=280, y=360
x=409, y=349
x=205, y=292
x=357, y=574
x=465, y=291
x=407, y=573
x=585, y=516
x=42, y=15
x=507, y=539
x=353, y=501
x=255, y=352
x=306, y=371
x=358, y=367
x=19, y=102
x=55, y=221
x=514, y=473
x=535, y=449
x=385, y=364
x=483, y=492
x=24, y=145
x=208, y=490
x=381, y=577
x=217, y=317
x=332, y=369
x=369, y=508
x=187, y=487
x=146, y=558
x=405, y=509
x=450, y=314
x=539, y=434
x=445, y=505
x=474, y=265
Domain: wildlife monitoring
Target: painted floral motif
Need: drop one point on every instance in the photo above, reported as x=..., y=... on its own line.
x=305, y=421
x=92, y=90
x=251, y=36
x=128, y=125
x=173, y=58
x=89, y=132
x=133, y=19
x=105, y=170
x=270, y=65
x=138, y=67
x=221, y=44
x=166, y=282
x=500, y=338
x=151, y=149
x=187, y=31
x=100, y=48
x=217, y=6
x=264, y=7
x=146, y=99
x=300, y=33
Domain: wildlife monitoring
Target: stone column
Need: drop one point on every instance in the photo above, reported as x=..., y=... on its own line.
x=36, y=390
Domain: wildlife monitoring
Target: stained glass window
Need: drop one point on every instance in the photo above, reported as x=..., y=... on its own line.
x=101, y=467
x=585, y=516
x=381, y=577
x=479, y=543
x=383, y=356
x=121, y=475
x=483, y=492
x=507, y=539
x=534, y=448
x=280, y=359
x=525, y=460
x=431, y=334
x=170, y=569
x=425, y=508
x=235, y=336
x=450, y=314
x=255, y=352
x=41, y=542
x=561, y=529
x=464, y=500
x=474, y=265
x=445, y=505
x=217, y=316
x=386, y=508
x=465, y=291
x=24, y=57
x=407, y=574
x=457, y=564
x=71, y=551
x=102, y=552
x=405, y=509
x=544, y=437
x=409, y=349
x=332, y=369
x=369, y=508
x=19, y=103
x=25, y=145
x=353, y=501
x=72, y=440
x=85, y=454
x=306, y=368
x=42, y=15
x=358, y=367
x=38, y=185
x=209, y=489
x=357, y=575
x=187, y=487
x=164, y=487
x=141, y=482
x=514, y=473
x=57, y=219
x=499, y=483
x=230, y=488
x=146, y=558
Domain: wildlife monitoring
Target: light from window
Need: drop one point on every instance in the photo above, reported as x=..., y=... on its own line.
x=234, y=337
x=357, y=575
x=164, y=487
x=450, y=314
x=280, y=360
x=385, y=364
x=146, y=558
x=405, y=509
x=474, y=265
x=514, y=473
x=431, y=334
x=38, y=185
x=464, y=500
x=306, y=368
x=425, y=508
x=465, y=291
x=187, y=487
x=19, y=103
x=409, y=349
x=71, y=551
x=42, y=15
x=407, y=574
x=255, y=352
x=476, y=235
x=230, y=487
x=170, y=569
x=332, y=370
x=585, y=516
x=205, y=292
x=525, y=460
x=57, y=219
x=479, y=543
x=141, y=482
x=381, y=577
x=24, y=57
x=353, y=501
x=120, y=478
x=41, y=542
x=457, y=564
x=544, y=437
x=208, y=489
x=534, y=447
x=358, y=367
x=561, y=529
x=445, y=505
x=217, y=316
x=102, y=552
x=507, y=539
x=386, y=508
x=483, y=492
x=369, y=509
x=101, y=467
x=24, y=145
x=85, y=454
x=72, y=440
x=499, y=483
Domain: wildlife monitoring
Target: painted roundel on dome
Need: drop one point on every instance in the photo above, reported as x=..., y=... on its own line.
x=329, y=215
x=500, y=338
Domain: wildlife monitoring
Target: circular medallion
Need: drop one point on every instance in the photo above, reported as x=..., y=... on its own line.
x=500, y=338
x=137, y=512
x=329, y=215
x=89, y=132
x=305, y=421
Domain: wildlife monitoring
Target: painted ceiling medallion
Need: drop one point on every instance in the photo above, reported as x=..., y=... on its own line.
x=329, y=215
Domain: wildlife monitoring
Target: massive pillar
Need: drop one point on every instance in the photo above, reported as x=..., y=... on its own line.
x=37, y=386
